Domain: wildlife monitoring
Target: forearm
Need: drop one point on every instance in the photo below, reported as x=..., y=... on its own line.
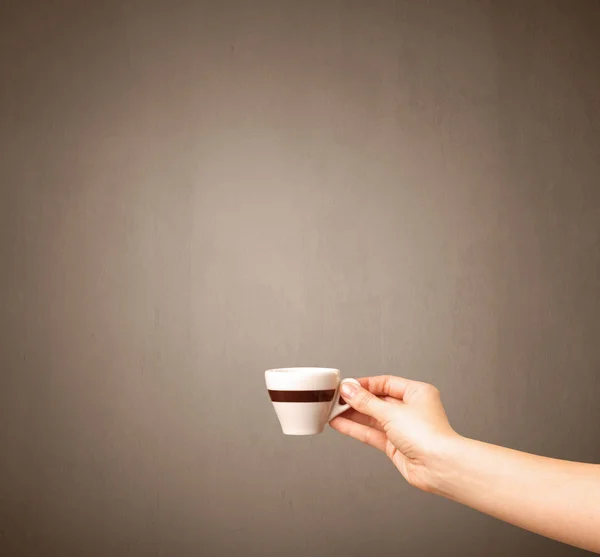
x=554, y=498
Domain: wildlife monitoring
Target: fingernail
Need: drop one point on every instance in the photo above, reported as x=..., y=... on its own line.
x=348, y=389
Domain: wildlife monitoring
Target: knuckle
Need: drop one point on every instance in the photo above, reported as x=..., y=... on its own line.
x=366, y=399
x=389, y=417
x=386, y=423
x=366, y=438
x=430, y=390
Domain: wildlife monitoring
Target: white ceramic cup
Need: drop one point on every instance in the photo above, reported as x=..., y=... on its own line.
x=305, y=398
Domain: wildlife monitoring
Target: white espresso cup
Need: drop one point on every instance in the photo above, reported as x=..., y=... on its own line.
x=305, y=398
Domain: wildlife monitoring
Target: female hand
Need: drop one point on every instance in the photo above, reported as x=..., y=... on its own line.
x=404, y=419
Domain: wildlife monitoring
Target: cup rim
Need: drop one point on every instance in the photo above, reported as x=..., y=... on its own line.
x=304, y=370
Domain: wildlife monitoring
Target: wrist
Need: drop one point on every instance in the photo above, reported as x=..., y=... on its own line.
x=442, y=460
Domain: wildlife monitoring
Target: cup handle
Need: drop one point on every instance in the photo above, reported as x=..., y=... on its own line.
x=338, y=406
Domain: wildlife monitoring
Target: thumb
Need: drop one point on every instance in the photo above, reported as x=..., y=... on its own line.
x=365, y=402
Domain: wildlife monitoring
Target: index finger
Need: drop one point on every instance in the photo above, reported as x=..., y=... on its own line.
x=386, y=385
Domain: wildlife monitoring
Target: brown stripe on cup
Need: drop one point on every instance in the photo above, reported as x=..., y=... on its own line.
x=302, y=396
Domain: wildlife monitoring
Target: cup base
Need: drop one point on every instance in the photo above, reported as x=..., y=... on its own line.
x=295, y=431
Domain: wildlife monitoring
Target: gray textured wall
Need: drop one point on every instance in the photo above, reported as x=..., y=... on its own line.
x=192, y=192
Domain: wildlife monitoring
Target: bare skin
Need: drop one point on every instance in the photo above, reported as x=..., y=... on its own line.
x=406, y=420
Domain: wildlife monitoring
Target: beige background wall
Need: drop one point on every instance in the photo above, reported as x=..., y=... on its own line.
x=192, y=192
